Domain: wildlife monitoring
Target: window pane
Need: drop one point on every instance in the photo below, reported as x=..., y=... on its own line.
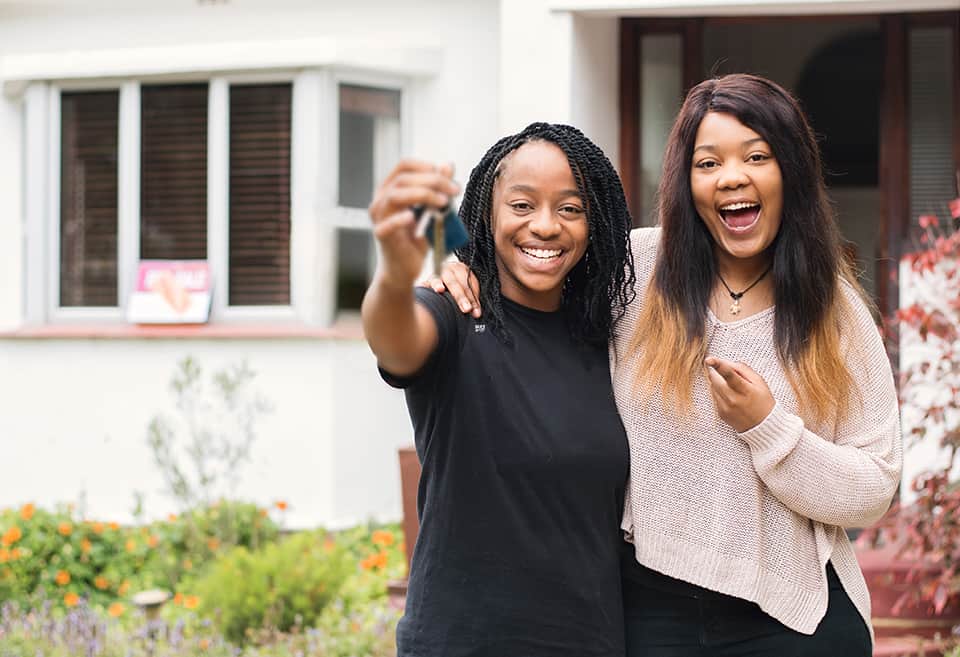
x=369, y=141
x=354, y=264
x=661, y=92
x=260, y=194
x=932, y=174
x=173, y=172
x=88, y=198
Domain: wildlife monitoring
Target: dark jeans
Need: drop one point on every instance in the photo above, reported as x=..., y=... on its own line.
x=683, y=620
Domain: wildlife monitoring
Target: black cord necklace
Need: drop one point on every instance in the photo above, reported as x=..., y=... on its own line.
x=735, y=306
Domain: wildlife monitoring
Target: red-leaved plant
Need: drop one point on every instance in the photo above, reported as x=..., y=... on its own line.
x=927, y=530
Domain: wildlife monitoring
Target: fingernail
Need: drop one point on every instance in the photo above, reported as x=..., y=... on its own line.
x=465, y=306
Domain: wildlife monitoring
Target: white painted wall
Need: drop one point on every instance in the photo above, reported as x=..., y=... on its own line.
x=76, y=414
x=75, y=411
x=595, y=84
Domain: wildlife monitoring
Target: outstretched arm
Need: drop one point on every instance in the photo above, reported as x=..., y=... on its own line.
x=401, y=333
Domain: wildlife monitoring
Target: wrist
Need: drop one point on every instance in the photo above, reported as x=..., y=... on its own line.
x=392, y=283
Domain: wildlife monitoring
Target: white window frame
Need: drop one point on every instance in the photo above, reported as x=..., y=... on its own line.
x=315, y=213
x=128, y=201
x=356, y=218
x=218, y=199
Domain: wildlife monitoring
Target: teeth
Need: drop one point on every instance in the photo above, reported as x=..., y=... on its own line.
x=541, y=253
x=739, y=206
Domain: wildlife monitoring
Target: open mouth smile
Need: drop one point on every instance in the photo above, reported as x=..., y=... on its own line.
x=741, y=216
x=542, y=254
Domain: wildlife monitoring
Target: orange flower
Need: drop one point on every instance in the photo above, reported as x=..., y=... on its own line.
x=4, y=555
x=178, y=599
x=328, y=545
x=116, y=609
x=71, y=599
x=354, y=627
x=124, y=587
x=153, y=541
x=131, y=545
x=204, y=644
x=187, y=564
x=172, y=517
x=382, y=538
x=213, y=544
x=27, y=511
x=101, y=582
x=15, y=554
x=62, y=578
x=378, y=560
x=263, y=513
x=280, y=504
x=114, y=526
x=97, y=527
x=11, y=536
x=191, y=601
x=86, y=545
x=65, y=528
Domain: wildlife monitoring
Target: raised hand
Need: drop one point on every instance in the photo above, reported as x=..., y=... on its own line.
x=412, y=182
x=742, y=397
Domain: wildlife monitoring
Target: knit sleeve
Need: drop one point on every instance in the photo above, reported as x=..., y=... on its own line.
x=849, y=478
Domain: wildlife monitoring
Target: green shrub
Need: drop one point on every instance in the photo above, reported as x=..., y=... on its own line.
x=379, y=556
x=56, y=556
x=283, y=585
x=188, y=542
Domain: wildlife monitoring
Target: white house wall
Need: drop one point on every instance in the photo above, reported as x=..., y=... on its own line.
x=75, y=411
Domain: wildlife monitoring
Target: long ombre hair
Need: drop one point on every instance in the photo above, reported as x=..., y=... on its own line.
x=808, y=265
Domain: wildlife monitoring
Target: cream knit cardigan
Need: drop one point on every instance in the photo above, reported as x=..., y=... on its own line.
x=758, y=514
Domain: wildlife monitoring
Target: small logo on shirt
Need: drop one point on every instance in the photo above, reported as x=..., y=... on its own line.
x=479, y=328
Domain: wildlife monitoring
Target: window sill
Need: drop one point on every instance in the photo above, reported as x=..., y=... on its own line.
x=341, y=330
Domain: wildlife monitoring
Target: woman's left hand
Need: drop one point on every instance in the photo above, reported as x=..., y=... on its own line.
x=742, y=396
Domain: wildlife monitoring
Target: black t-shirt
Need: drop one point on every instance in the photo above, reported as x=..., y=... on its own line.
x=524, y=466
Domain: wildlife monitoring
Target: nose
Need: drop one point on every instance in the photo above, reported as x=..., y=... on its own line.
x=545, y=224
x=732, y=176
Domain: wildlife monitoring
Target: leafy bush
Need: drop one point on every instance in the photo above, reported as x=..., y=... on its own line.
x=283, y=585
x=379, y=555
x=54, y=555
x=188, y=542
x=928, y=531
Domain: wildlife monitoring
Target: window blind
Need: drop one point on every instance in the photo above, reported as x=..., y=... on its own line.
x=173, y=172
x=260, y=119
x=932, y=170
x=88, y=198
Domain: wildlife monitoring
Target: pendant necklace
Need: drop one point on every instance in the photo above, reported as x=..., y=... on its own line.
x=735, y=306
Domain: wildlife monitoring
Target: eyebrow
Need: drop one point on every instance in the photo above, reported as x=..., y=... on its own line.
x=533, y=190
x=711, y=147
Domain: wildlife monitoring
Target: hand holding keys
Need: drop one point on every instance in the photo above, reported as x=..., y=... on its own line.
x=409, y=208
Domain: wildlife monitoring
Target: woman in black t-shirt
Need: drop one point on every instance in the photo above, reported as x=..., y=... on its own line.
x=524, y=458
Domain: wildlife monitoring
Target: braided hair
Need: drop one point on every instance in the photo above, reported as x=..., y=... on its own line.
x=598, y=288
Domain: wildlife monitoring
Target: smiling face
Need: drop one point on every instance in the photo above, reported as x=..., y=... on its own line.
x=737, y=190
x=540, y=229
